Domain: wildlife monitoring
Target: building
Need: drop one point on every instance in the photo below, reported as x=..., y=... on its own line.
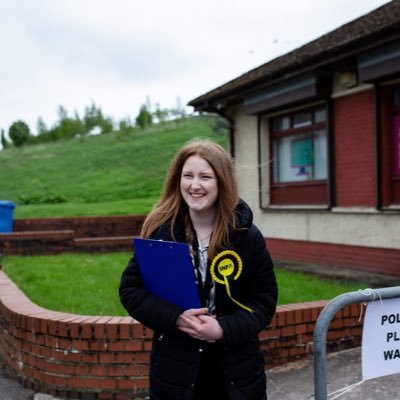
x=316, y=138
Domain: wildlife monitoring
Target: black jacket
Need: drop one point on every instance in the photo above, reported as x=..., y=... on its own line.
x=175, y=356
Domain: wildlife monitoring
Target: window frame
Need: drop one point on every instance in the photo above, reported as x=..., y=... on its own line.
x=310, y=193
x=394, y=179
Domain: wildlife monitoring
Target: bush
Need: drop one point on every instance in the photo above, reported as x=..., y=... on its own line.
x=42, y=199
x=19, y=133
x=144, y=118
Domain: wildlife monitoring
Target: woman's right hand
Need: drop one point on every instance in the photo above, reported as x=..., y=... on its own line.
x=200, y=326
x=193, y=315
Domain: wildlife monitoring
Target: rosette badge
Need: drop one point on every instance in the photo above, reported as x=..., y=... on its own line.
x=227, y=264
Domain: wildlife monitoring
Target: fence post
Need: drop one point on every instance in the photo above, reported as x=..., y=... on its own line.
x=322, y=325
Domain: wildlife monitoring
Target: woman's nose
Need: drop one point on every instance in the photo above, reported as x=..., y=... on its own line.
x=196, y=182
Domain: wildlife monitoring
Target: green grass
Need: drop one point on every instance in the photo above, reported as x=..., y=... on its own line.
x=84, y=284
x=88, y=283
x=109, y=174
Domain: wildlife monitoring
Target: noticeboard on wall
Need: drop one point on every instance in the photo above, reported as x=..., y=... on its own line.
x=302, y=154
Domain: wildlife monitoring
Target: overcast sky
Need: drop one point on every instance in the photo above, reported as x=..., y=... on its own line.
x=118, y=52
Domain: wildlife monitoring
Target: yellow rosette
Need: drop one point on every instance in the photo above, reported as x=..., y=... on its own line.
x=225, y=264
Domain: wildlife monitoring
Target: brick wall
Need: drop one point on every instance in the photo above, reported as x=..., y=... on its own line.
x=54, y=235
x=355, y=146
x=83, y=227
x=371, y=259
x=95, y=357
x=44, y=238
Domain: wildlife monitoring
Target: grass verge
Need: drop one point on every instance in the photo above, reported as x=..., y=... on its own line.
x=88, y=283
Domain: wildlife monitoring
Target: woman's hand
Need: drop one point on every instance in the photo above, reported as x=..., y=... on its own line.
x=191, y=315
x=200, y=326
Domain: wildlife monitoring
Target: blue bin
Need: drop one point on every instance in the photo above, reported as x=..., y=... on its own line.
x=6, y=216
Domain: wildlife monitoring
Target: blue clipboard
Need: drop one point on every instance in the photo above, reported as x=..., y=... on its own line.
x=167, y=271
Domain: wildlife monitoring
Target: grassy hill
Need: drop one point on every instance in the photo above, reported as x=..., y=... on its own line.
x=115, y=173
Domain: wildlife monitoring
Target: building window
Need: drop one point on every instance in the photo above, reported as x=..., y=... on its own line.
x=395, y=184
x=299, y=153
x=390, y=146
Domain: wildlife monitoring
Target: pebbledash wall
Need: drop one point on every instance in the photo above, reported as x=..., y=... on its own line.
x=104, y=357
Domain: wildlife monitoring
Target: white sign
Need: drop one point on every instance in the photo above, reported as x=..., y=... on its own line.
x=381, y=339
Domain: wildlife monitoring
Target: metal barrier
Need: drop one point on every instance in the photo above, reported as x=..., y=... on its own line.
x=322, y=325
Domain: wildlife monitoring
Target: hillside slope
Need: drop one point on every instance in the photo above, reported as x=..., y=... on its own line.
x=87, y=177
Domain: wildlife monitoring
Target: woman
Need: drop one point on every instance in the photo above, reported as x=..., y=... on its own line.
x=211, y=352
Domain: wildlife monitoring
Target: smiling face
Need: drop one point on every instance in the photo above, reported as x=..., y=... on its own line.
x=199, y=186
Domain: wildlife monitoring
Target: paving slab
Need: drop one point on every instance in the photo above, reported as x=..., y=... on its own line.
x=295, y=381
x=11, y=389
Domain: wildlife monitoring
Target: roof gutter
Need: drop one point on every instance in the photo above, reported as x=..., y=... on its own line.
x=317, y=61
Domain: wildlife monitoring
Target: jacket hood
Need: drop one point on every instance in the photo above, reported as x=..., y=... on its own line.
x=243, y=215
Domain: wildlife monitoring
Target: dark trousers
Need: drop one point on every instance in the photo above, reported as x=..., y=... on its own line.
x=210, y=384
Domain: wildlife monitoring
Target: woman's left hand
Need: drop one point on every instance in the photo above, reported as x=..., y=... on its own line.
x=204, y=327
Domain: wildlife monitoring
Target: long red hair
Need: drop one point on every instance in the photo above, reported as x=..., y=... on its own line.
x=171, y=202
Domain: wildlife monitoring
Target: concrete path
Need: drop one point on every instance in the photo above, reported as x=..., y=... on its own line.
x=292, y=382
x=10, y=389
x=296, y=380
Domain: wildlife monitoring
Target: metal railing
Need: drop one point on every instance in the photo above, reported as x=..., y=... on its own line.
x=322, y=325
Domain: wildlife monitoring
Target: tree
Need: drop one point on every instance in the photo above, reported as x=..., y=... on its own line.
x=4, y=142
x=161, y=114
x=106, y=125
x=19, y=133
x=62, y=113
x=144, y=118
x=41, y=126
x=178, y=112
x=67, y=127
x=94, y=118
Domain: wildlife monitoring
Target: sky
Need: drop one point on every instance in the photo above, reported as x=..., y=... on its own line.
x=121, y=54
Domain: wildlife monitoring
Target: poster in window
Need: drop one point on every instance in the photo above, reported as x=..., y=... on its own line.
x=397, y=145
x=302, y=155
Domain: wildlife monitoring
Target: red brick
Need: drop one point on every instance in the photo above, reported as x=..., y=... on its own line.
x=134, y=345
x=115, y=370
x=82, y=369
x=81, y=345
x=86, y=331
x=124, y=330
x=76, y=382
x=59, y=381
x=147, y=345
x=288, y=331
x=64, y=344
x=134, y=370
x=125, y=384
x=107, y=384
x=117, y=346
x=123, y=396
x=112, y=328
x=98, y=370
x=140, y=357
x=91, y=383
x=98, y=345
x=89, y=358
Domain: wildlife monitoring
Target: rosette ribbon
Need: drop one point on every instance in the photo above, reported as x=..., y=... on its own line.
x=227, y=264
